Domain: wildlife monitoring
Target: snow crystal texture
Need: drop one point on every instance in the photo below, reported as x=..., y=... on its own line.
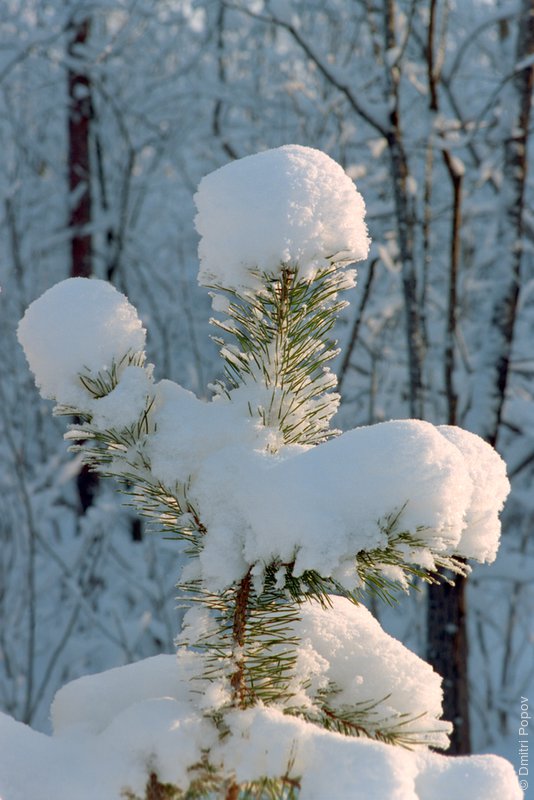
x=320, y=506
x=345, y=645
x=288, y=207
x=150, y=724
x=80, y=325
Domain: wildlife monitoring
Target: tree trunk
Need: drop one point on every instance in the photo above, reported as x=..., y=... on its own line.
x=237, y=679
x=447, y=652
x=79, y=175
x=491, y=379
x=447, y=638
x=405, y=213
x=79, y=168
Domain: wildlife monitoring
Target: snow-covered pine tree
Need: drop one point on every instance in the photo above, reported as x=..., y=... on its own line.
x=284, y=685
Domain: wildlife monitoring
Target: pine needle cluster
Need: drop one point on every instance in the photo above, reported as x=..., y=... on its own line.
x=279, y=338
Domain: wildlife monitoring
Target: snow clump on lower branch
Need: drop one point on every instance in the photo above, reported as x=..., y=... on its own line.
x=431, y=490
x=346, y=661
x=487, y=472
x=152, y=725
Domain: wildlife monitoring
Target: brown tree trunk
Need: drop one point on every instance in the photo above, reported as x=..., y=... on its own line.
x=405, y=212
x=447, y=639
x=237, y=680
x=447, y=651
x=79, y=167
x=79, y=176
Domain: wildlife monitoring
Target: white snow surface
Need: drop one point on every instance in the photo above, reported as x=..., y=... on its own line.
x=322, y=505
x=78, y=705
x=80, y=325
x=327, y=504
x=112, y=728
x=317, y=507
x=125, y=404
x=487, y=470
x=345, y=645
x=292, y=206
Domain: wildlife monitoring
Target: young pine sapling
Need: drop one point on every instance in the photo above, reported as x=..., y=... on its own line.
x=288, y=686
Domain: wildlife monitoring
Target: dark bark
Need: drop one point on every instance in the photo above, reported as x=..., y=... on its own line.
x=405, y=213
x=79, y=176
x=221, y=75
x=79, y=167
x=452, y=300
x=355, y=330
x=447, y=638
x=447, y=652
x=237, y=681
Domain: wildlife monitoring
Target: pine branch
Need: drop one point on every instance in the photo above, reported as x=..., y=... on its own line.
x=105, y=381
x=209, y=783
x=250, y=643
x=278, y=339
x=118, y=454
x=364, y=719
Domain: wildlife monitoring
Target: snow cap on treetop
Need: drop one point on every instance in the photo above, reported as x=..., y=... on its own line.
x=80, y=325
x=288, y=207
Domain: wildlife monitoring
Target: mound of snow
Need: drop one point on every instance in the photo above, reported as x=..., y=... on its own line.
x=321, y=506
x=288, y=207
x=112, y=729
x=345, y=646
x=80, y=325
x=481, y=534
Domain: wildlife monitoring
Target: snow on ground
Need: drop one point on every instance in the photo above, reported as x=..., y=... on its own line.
x=111, y=728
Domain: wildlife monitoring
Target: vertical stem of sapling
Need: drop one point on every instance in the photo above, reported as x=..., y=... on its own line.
x=282, y=303
x=238, y=683
x=286, y=285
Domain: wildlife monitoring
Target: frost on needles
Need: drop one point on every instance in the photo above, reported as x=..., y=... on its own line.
x=282, y=679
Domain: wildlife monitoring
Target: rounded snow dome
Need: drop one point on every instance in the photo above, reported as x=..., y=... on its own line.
x=288, y=207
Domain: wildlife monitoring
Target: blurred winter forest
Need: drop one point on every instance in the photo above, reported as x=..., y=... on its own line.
x=110, y=113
